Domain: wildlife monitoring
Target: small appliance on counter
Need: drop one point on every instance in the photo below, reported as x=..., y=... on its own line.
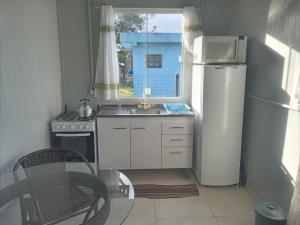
x=220, y=50
x=72, y=131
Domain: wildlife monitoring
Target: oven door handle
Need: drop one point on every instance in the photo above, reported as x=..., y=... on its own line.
x=73, y=135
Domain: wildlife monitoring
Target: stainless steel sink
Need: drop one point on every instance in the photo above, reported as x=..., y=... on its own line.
x=114, y=111
x=149, y=111
x=131, y=110
x=134, y=110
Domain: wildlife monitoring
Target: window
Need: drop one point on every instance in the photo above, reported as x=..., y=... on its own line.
x=149, y=51
x=154, y=61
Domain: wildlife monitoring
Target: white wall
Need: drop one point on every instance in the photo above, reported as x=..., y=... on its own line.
x=75, y=49
x=73, y=19
x=217, y=17
x=30, y=77
x=271, y=131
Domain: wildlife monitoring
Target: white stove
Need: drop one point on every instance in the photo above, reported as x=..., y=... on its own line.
x=71, y=122
x=71, y=131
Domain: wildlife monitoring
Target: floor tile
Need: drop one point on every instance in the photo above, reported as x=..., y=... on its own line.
x=241, y=220
x=139, y=221
x=173, y=177
x=74, y=220
x=142, y=213
x=187, y=221
x=182, y=208
x=229, y=201
x=139, y=176
x=119, y=207
x=143, y=208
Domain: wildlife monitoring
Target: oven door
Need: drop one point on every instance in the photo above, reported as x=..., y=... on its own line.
x=83, y=142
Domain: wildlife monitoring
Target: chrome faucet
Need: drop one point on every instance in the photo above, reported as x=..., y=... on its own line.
x=144, y=104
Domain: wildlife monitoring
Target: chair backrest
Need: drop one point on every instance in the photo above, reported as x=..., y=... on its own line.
x=51, y=155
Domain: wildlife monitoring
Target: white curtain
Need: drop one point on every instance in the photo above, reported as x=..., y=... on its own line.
x=294, y=213
x=191, y=29
x=107, y=70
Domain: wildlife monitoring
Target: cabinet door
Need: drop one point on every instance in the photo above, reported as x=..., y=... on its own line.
x=146, y=145
x=179, y=157
x=114, y=143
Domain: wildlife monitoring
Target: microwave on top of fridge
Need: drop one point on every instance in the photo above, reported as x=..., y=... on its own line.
x=220, y=49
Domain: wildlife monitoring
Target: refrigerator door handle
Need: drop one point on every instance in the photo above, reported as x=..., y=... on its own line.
x=219, y=67
x=224, y=67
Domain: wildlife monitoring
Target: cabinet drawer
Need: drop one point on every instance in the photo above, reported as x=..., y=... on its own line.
x=177, y=140
x=180, y=127
x=177, y=157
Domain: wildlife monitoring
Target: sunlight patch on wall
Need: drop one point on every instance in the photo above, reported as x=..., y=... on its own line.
x=283, y=50
x=291, y=72
x=291, y=148
x=291, y=84
x=295, y=69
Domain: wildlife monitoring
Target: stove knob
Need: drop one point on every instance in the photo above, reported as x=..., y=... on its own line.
x=81, y=127
x=72, y=127
x=63, y=127
x=57, y=127
x=87, y=127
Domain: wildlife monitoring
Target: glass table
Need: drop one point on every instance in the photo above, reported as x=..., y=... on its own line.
x=66, y=194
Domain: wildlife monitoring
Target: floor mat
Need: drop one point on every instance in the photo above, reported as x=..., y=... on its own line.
x=165, y=191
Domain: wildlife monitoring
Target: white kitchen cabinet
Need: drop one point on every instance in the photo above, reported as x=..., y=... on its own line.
x=177, y=143
x=146, y=144
x=114, y=142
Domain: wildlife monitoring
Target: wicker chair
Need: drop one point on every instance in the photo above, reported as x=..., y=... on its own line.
x=54, y=204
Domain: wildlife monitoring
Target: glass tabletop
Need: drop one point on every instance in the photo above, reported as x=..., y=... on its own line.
x=69, y=193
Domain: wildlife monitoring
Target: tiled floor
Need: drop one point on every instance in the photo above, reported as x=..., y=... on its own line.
x=214, y=206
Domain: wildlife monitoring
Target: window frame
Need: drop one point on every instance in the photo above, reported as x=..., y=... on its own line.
x=159, y=61
x=155, y=100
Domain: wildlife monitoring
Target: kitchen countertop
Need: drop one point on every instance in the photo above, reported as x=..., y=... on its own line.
x=133, y=111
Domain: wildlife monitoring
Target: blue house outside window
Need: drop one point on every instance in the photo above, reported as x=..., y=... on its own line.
x=160, y=61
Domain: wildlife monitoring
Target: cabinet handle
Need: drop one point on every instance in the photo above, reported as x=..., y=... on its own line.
x=120, y=128
x=176, y=152
x=176, y=127
x=138, y=128
x=176, y=139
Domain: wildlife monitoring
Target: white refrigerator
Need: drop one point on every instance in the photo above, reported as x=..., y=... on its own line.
x=218, y=103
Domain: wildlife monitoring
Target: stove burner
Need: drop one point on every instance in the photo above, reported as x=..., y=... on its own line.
x=68, y=116
x=73, y=116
